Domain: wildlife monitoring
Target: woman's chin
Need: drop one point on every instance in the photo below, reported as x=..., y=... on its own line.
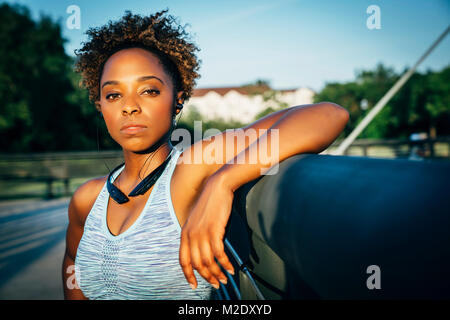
x=141, y=144
x=138, y=148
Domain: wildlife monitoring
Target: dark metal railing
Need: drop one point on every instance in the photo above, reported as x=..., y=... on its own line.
x=315, y=229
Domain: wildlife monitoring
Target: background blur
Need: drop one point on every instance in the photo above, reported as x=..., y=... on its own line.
x=257, y=57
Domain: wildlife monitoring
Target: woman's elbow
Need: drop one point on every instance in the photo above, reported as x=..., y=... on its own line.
x=341, y=113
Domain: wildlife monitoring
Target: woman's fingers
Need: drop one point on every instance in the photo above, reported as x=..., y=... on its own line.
x=185, y=261
x=219, y=252
x=199, y=254
x=209, y=262
x=197, y=263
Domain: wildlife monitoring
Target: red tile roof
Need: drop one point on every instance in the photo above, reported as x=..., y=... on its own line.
x=244, y=90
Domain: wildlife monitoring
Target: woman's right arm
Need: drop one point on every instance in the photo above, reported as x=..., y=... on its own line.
x=79, y=207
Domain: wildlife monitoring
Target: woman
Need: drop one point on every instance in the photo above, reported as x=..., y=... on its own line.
x=139, y=71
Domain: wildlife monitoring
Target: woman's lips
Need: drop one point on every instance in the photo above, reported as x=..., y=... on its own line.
x=133, y=129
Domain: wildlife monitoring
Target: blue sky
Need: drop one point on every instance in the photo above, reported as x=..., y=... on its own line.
x=291, y=43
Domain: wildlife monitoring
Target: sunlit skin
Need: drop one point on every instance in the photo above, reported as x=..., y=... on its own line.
x=135, y=89
x=148, y=102
x=202, y=193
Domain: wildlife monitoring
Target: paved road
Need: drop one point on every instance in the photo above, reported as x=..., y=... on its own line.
x=32, y=234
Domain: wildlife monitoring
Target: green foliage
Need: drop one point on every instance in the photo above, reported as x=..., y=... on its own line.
x=264, y=113
x=438, y=94
x=422, y=104
x=42, y=108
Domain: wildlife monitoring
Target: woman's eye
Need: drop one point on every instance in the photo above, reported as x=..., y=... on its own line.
x=111, y=95
x=152, y=92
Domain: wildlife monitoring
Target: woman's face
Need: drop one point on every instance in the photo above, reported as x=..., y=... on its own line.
x=135, y=89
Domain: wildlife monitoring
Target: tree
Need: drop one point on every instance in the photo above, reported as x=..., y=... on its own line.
x=42, y=109
x=423, y=104
x=437, y=102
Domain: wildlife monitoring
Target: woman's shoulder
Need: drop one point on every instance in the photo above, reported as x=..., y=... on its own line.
x=83, y=199
x=198, y=161
x=188, y=170
x=186, y=183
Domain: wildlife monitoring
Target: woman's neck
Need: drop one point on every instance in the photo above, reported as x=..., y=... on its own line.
x=139, y=165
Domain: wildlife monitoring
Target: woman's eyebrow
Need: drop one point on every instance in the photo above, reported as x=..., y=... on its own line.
x=140, y=79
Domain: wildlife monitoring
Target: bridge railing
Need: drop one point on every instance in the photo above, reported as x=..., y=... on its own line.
x=54, y=167
x=49, y=168
x=397, y=148
x=336, y=227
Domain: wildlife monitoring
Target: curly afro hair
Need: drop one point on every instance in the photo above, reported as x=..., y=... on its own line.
x=157, y=33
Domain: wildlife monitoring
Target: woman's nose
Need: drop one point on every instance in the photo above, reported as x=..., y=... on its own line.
x=130, y=106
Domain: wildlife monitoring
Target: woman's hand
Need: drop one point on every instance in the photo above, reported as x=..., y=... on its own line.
x=202, y=234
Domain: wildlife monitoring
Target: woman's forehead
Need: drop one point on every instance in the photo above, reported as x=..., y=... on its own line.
x=130, y=64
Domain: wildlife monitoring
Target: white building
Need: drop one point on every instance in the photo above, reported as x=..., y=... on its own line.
x=244, y=103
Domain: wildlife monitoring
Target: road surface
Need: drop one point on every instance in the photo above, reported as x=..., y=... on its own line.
x=32, y=244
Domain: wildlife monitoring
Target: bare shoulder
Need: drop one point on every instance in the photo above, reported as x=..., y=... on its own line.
x=203, y=158
x=193, y=166
x=83, y=199
x=189, y=164
x=187, y=175
x=79, y=207
x=187, y=181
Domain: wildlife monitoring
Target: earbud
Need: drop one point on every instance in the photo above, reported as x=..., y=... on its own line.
x=178, y=108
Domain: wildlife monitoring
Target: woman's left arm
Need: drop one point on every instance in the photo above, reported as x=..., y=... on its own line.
x=301, y=129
